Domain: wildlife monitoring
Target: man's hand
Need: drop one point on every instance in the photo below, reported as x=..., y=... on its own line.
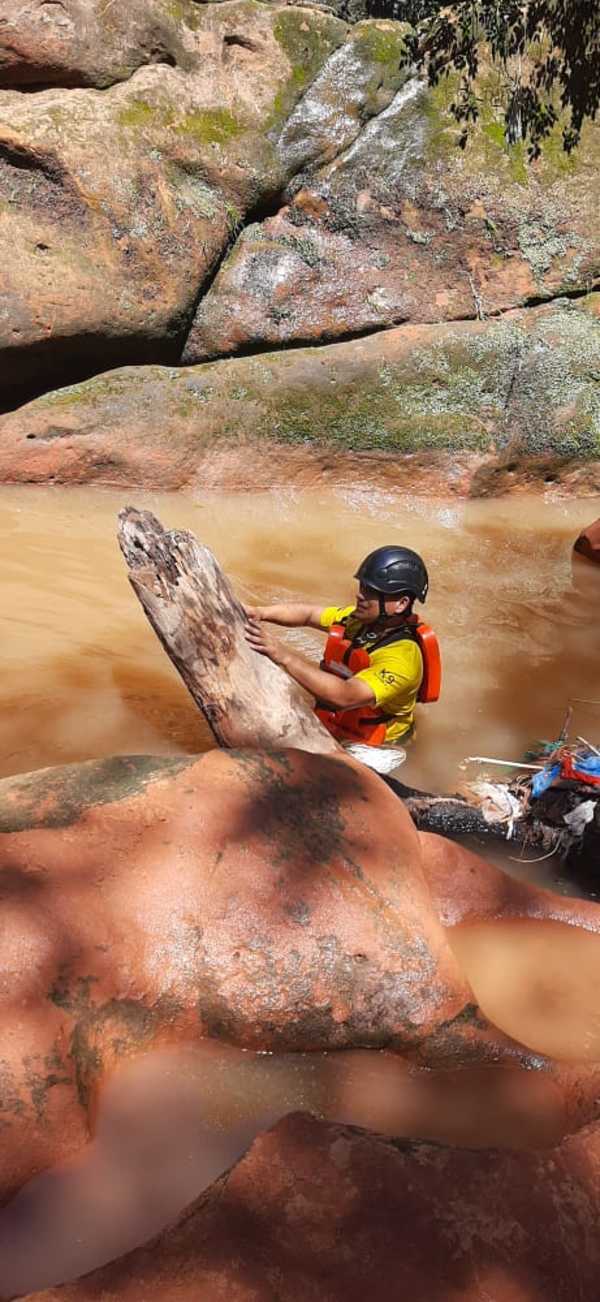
x=261, y=639
x=340, y=693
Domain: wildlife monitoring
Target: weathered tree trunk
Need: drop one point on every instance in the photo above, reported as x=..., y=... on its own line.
x=247, y=700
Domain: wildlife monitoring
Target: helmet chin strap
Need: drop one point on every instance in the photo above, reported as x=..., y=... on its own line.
x=382, y=610
x=383, y=615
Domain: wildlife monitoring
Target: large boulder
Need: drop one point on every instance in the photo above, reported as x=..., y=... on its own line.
x=316, y=1212
x=91, y=42
x=273, y=899
x=104, y=264
x=474, y=406
x=276, y=900
x=406, y=226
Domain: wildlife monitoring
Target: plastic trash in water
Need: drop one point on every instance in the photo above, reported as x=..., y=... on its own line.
x=498, y=804
x=572, y=767
x=543, y=780
x=579, y=818
x=383, y=759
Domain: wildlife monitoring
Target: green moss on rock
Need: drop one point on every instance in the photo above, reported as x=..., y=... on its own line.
x=307, y=39
x=137, y=113
x=210, y=126
x=373, y=417
x=381, y=42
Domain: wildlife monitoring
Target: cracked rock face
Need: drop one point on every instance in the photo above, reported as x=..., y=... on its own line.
x=186, y=182
x=339, y=1214
x=101, y=264
x=404, y=226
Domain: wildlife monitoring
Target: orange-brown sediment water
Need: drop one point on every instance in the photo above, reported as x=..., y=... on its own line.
x=83, y=676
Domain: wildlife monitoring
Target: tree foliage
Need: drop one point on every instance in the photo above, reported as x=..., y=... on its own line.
x=548, y=52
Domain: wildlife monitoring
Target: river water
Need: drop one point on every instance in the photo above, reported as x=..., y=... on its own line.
x=83, y=676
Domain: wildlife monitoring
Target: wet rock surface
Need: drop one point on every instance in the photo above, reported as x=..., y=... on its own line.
x=274, y=900
x=476, y=407
x=319, y=1211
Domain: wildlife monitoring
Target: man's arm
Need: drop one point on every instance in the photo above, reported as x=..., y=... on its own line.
x=293, y=615
x=339, y=693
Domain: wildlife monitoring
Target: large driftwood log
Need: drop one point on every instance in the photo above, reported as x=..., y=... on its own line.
x=247, y=700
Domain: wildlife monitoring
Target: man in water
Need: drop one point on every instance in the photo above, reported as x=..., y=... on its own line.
x=375, y=703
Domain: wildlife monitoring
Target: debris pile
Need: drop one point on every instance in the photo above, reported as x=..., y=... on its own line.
x=551, y=806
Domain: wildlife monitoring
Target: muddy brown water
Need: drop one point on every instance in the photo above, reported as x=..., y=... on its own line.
x=84, y=676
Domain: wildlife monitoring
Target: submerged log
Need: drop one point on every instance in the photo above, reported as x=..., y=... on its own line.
x=246, y=700
x=446, y=815
x=542, y=827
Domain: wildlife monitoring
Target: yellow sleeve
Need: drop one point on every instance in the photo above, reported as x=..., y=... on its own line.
x=334, y=615
x=394, y=675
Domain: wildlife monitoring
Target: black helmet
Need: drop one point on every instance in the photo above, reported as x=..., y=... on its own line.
x=392, y=570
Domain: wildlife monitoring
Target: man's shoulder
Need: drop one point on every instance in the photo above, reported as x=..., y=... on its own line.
x=335, y=614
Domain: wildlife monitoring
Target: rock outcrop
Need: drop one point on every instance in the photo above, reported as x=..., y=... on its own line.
x=475, y=406
x=104, y=264
x=405, y=226
x=317, y=1212
x=279, y=178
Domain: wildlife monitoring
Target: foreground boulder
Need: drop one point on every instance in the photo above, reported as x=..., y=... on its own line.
x=274, y=899
x=246, y=895
x=319, y=1211
x=469, y=407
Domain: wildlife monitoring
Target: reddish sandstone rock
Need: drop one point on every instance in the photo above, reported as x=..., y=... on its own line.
x=90, y=42
x=321, y=1213
x=275, y=900
x=588, y=542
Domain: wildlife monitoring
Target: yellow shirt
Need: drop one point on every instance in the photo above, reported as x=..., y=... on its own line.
x=394, y=675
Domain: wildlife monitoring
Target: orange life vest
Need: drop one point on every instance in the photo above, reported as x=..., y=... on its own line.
x=367, y=723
